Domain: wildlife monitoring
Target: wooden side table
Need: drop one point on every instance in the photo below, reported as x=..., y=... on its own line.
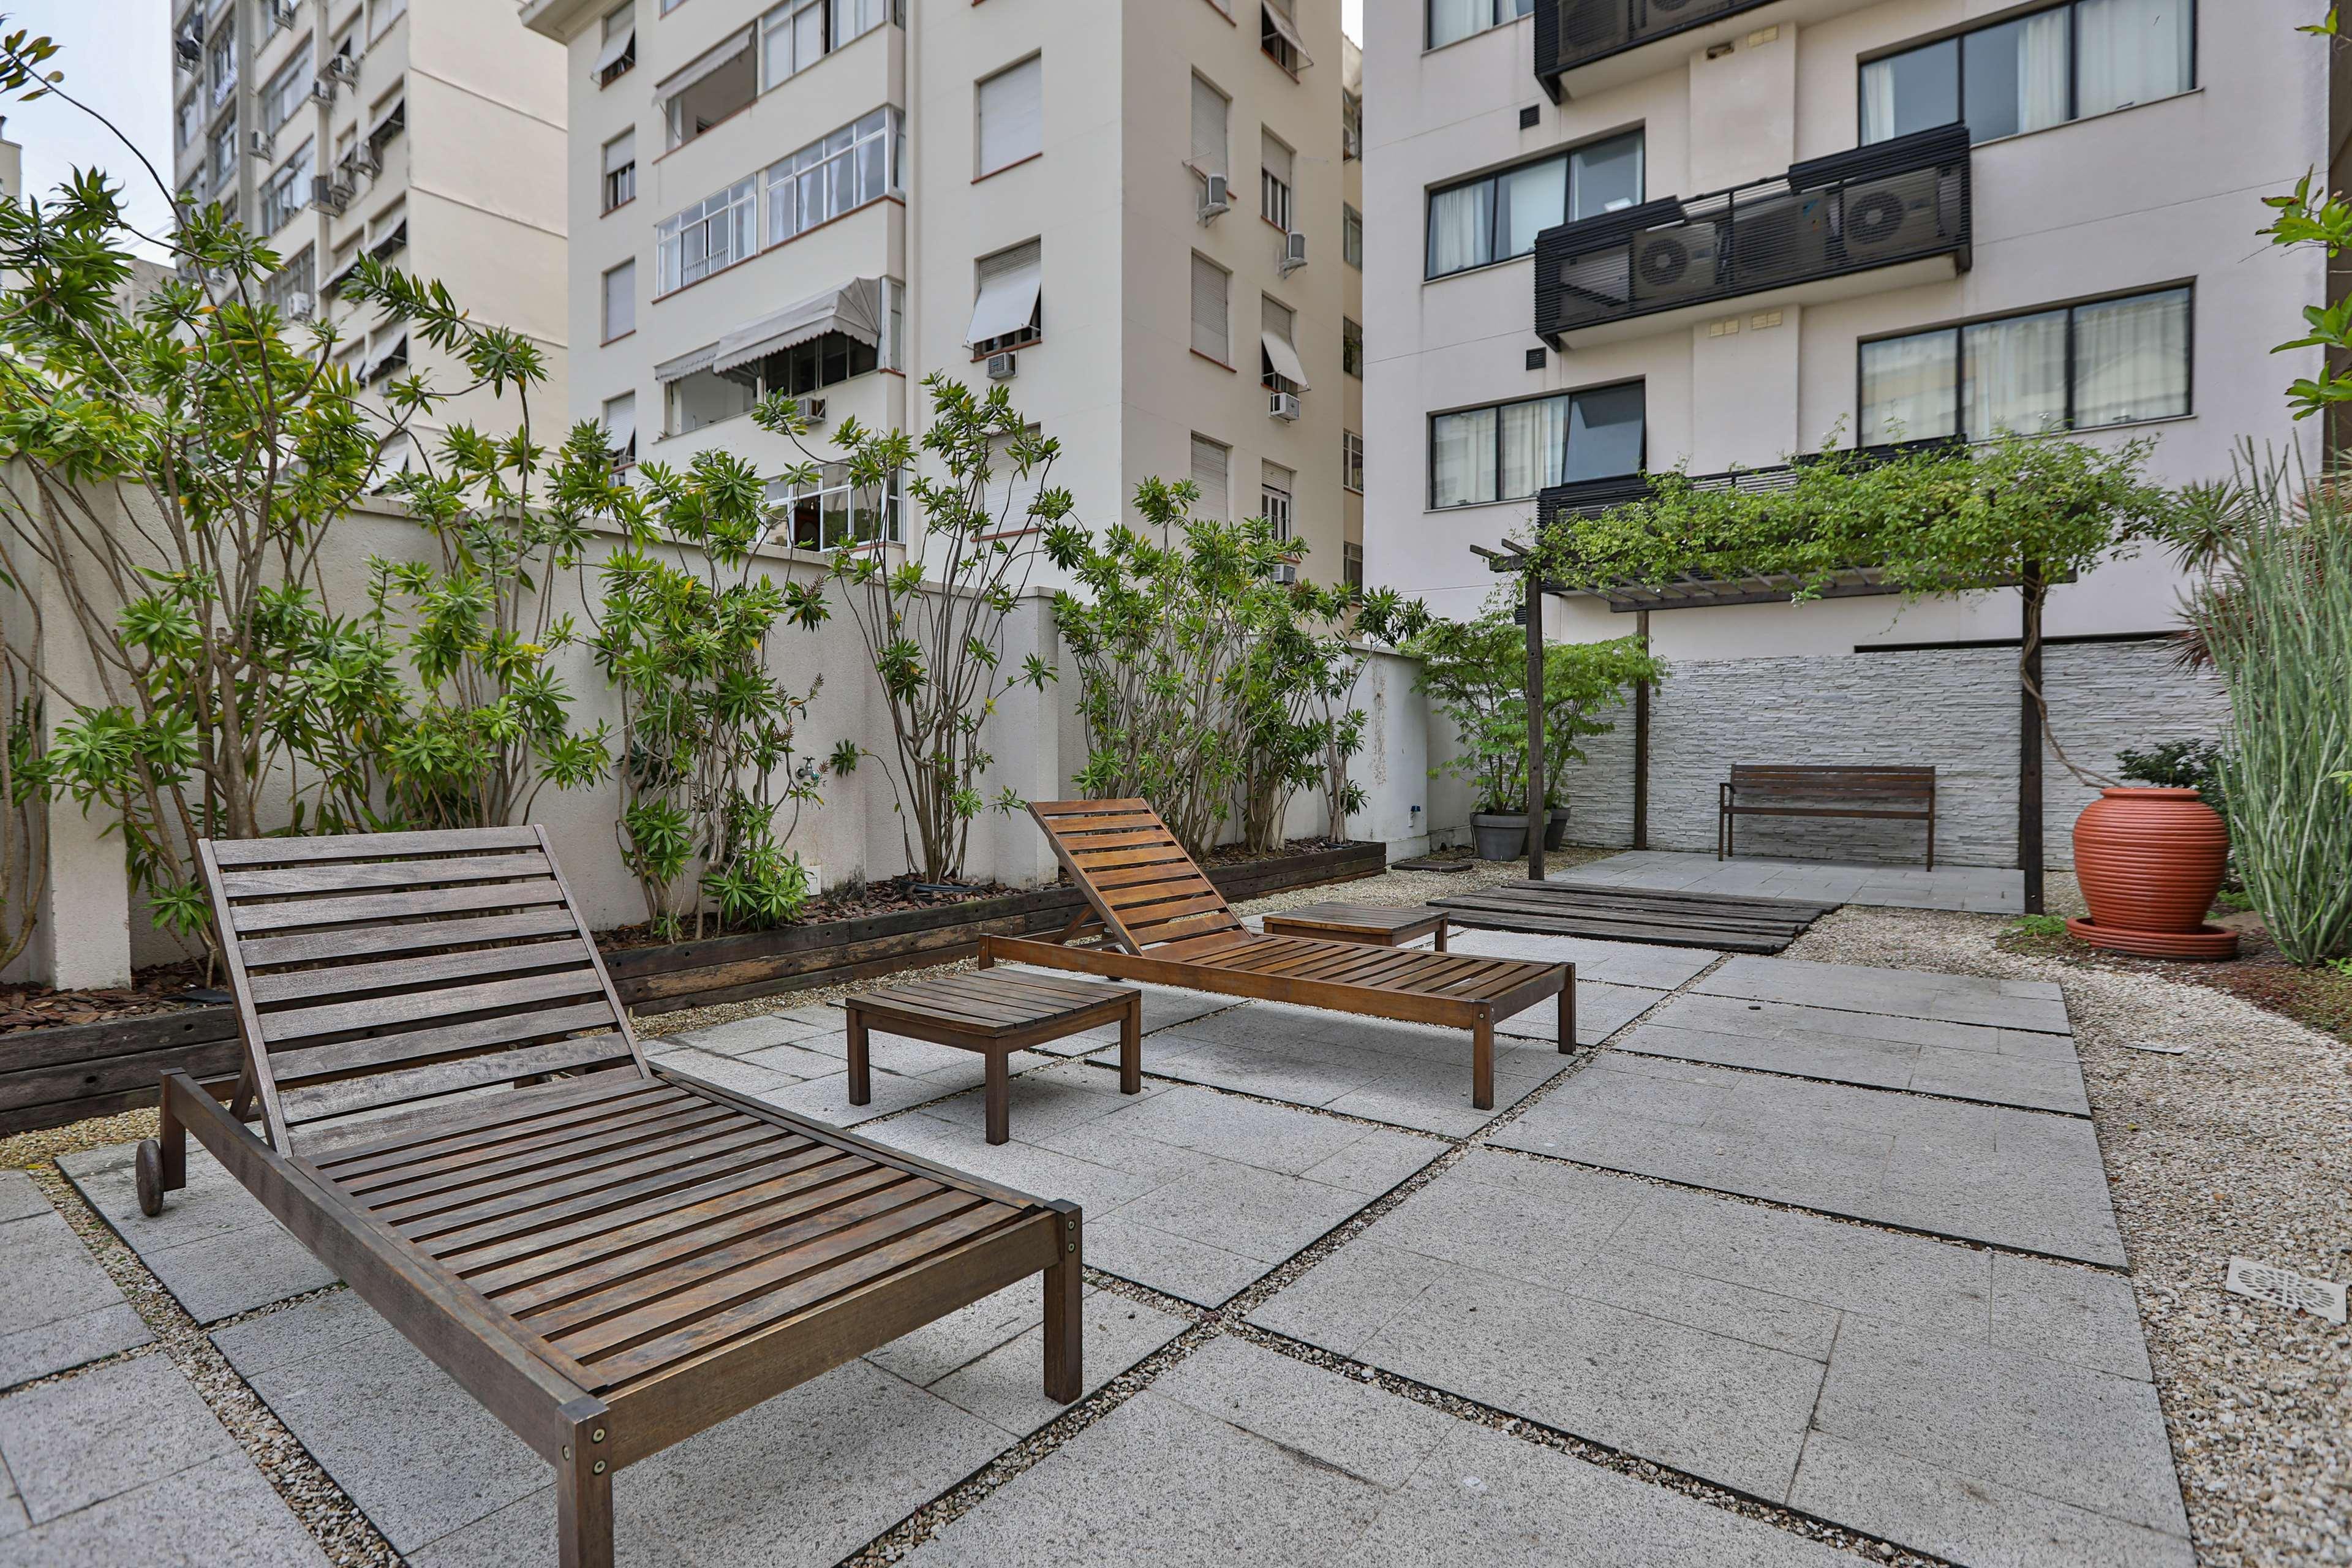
x=1380, y=925
x=996, y=1012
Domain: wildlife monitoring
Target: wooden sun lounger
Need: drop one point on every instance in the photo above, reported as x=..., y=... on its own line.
x=610, y=1255
x=1163, y=921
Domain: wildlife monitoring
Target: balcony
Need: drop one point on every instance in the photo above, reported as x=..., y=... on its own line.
x=1883, y=216
x=1586, y=46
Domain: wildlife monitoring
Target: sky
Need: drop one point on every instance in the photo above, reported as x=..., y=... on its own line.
x=1352, y=19
x=114, y=57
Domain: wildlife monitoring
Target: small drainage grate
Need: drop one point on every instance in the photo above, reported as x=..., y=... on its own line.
x=2320, y=1298
x=2157, y=1050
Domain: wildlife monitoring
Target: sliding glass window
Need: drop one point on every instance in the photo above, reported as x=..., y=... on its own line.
x=1497, y=217
x=2035, y=71
x=1509, y=451
x=1450, y=21
x=2115, y=362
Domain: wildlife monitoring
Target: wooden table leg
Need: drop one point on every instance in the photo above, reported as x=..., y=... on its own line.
x=1568, y=1013
x=1065, y=1291
x=1481, y=1061
x=1441, y=934
x=583, y=1495
x=861, y=1078
x=1000, y=1093
x=1130, y=1047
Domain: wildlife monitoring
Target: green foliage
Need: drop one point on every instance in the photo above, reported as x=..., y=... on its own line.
x=2038, y=925
x=2179, y=764
x=685, y=633
x=2314, y=216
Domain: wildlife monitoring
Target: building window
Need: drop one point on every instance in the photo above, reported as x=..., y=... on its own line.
x=1497, y=217
x=220, y=62
x=292, y=290
x=224, y=153
x=822, y=362
x=621, y=428
x=1212, y=295
x=1351, y=566
x=1212, y=113
x=1278, y=366
x=1351, y=126
x=1351, y=461
x=1276, y=172
x=621, y=170
x=852, y=19
x=1274, y=486
x=792, y=39
x=1010, y=112
x=184, y=123
x=1450, y=21
x=284, y=95
x=2113, y=362
x=833, y=513
x=1277, y=35
x=706, y=397
x=838, y=174
x=723, y=81
x=713, y=233
x=1212, y=476
x=1008, y=303
x=621, y=300
x=1351, y=237
x=275, y=19
x=288, y=192
x=387, y=13
x=1351, y=347
x=617, y=56
x=1511, y=450
x=2035, y=71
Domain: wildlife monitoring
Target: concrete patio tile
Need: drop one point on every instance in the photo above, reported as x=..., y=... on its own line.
x=1987, y=1173
x=826, y=1099
x=793, y=1061
x=83, y=1440
x=2067, y=1314
x=1980, y=1075
x=1906, y=993
x=1004, y=1387
x=59, y=1308
x=727, y=1072
x=1601, y=1011
x=218, y=1514
x=1739, y=1016
x=1638, y=964
x=13, y=1520
x=742, y=1037
x=214, y=1246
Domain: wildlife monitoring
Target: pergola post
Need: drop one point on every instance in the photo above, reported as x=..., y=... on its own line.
x=1641, y=742
x=2032, y=591
x=1536, y=814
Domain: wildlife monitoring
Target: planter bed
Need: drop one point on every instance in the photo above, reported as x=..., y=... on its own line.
x=54, y=1076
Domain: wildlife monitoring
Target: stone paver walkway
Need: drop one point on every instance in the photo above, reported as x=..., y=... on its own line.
x=1986, y=890
x=57, y=1309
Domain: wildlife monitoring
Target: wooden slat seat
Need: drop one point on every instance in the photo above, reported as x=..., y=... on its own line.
x=608, y=1255
x=1161, y=921
x=1881, y=794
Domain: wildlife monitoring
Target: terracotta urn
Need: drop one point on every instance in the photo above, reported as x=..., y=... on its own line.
x=2149, y=861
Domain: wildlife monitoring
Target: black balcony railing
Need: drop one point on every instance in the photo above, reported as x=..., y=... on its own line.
x=1572, y=33
x=1880, y=205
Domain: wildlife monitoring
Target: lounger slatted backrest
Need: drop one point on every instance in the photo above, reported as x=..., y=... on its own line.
x=389, y=971
x=1141, y=883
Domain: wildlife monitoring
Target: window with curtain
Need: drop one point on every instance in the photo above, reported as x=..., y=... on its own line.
x=2034, y=71
x=620, y=170
x=1450, y=21
x=1277, y=170
x=621, y=300
x=1277, y=484
x=1211, y=464
x=831, y=175
x=792, y=39
x=714, y=233
x=1011, y=109
x=1497, y=217
x=836, y=513
x=1212, y=113
x=1212, y=333
x=1511, y=450
x=2113, y=362
x=283, y=97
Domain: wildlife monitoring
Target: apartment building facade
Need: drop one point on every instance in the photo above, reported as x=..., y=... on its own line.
x=1131, y=214
x=1610, y=236
x=429, y=133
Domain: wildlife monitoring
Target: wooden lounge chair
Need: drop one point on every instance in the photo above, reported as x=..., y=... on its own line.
x=1164, y=922
x=608, y=1255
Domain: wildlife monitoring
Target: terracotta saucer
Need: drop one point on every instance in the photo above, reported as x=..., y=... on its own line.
x=2205, y=941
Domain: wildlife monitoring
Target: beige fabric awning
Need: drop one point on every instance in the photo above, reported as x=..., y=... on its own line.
x=1280, y=354
x=853, y=308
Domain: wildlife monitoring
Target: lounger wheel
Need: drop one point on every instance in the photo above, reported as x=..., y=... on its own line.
x=149, y=1167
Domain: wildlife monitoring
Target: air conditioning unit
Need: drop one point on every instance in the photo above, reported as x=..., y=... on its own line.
x=299, y=306
x=327, y=196
x=344, y=69
x=812, y=408
x=189, y=50
x=1282, y=406
x=1891, y=216
x=1218, y=199
x=282, y=13
x=1673, y=263
x=323, y=90
x=366, y=159
x=1286, y=573
x=1002, y=367
x=258, y=144
x=1294, y=254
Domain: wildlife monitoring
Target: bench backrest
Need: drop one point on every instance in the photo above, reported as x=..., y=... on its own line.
x=382, y=970
x=1834, y=783
x=1141, y=883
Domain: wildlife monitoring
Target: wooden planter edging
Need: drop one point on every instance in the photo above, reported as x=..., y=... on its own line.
x=49, y=1077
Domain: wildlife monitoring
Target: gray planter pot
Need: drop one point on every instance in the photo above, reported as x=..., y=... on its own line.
x=1556, y=829
x=1500, y=836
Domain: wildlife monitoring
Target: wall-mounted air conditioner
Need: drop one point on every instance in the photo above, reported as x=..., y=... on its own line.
x=344, y=69
x=812, y=408
x=189, y=50
x=258, y=144
x=323, y=90
x=1282, y=406
x=327, y=196
x=1293, y=253
x=299, y=306
x=366, y=159
x=1003, y=367
x=1218, y=199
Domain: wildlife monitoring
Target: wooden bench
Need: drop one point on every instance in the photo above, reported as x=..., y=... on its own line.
x=1380, y=925
x=996, y=1013
x=1899, y=795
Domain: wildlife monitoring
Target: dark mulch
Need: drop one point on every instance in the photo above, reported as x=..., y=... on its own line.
x=847, y=903
x=2319, y=998
x=156, y=990
x=1231, y=854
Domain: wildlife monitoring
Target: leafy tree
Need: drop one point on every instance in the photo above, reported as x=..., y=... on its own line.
x=2315, y=217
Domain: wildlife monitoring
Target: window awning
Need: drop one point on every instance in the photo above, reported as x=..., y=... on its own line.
x=687, y=365
x=677, y=81
x=391, y=359
x=853, y=308
x=1007, y=302
x=616, y=46
x=621, y=428
x=1283, y=24
x=389, y=124
x=1284, y=357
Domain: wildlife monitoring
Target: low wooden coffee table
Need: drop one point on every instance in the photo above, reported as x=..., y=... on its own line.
x=996, y=1012
x=1380, y=925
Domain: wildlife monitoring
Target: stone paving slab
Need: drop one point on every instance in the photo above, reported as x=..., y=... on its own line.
x=824, y=1467
x=1738, y=1342
x=1643, y=964
x=2033, y=1005
x=1241, y=1456
x=1601, y=1010
x=122, y=1464
x=214, y=1246
x=1990, y=1174
x=1987, y=888
x=1962, y=1061
x=58, y=1309
x=1186, y=1190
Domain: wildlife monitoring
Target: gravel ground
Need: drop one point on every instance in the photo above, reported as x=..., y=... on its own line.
x=2239, y=1147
